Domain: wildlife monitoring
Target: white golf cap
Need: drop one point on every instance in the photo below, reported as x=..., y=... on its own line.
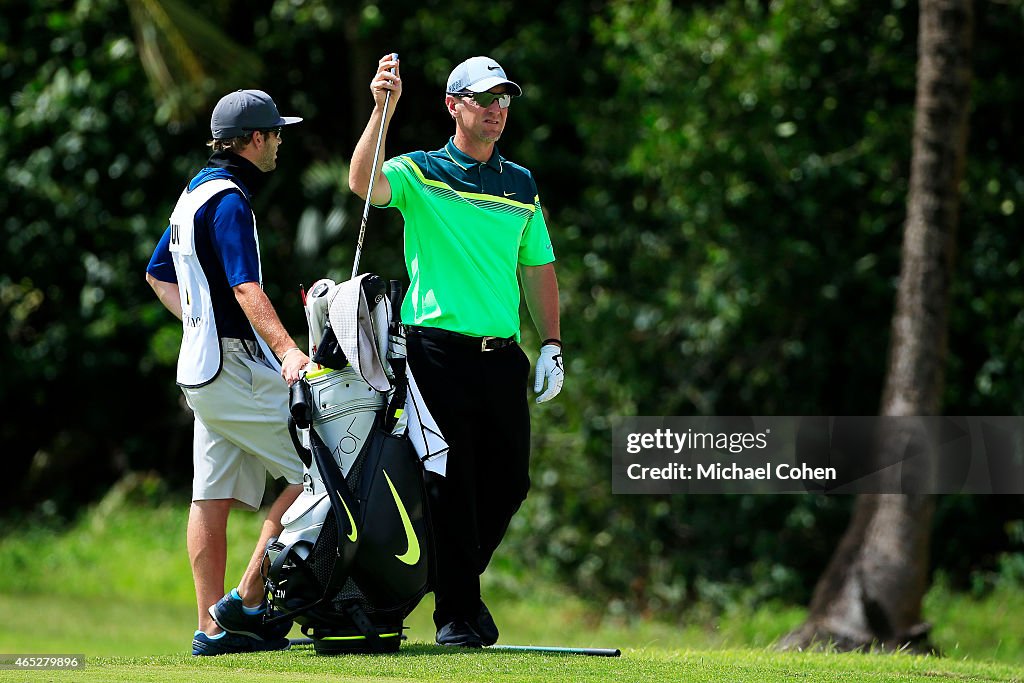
x=478, y=74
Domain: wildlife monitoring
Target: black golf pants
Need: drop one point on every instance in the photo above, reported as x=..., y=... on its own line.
x=479, y=401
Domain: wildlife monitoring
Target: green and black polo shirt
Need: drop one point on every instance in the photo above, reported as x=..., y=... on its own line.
x=468, y=226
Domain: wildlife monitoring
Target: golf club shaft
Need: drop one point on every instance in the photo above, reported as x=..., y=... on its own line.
x=587, y=651
x=373, y=177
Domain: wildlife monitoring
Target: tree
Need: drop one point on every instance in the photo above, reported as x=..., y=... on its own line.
x=871, y=591
x=186, y=57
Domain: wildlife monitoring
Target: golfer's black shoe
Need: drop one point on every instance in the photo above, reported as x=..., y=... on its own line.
x=458, y=634
x=230, y=616
x=230, y=643
x=485, y=626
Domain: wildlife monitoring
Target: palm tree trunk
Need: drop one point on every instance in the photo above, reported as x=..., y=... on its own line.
x=871, y=592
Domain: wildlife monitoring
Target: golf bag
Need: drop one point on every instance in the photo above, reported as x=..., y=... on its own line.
x=353, y=559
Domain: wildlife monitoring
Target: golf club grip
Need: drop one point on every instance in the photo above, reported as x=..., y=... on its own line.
x=395, y=297
x=373, y=177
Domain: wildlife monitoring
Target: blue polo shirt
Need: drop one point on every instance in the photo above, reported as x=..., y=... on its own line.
x=225, y=243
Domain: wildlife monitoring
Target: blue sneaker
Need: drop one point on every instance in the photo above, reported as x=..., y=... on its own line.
x=227, y=643
x=231, y=615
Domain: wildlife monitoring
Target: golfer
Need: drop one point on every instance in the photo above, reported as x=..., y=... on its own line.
x=473, y=222
x=206, y=270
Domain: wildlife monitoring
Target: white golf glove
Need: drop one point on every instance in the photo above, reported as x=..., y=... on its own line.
x=549, y=372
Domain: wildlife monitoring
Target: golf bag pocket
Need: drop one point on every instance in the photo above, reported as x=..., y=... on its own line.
x=392, y=565
x=328, y=353
x=301, y=567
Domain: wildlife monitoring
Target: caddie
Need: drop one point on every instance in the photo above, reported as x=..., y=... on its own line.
x=234, y=367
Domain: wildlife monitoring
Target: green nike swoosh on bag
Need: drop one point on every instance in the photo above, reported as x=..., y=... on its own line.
x=351, y=522
x=412, y=554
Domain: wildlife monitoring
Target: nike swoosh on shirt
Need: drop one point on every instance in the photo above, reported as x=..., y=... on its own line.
x=509, y=194
x=412, y=553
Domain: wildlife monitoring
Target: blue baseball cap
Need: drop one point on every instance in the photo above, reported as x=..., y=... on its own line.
x=244, y=111
x=478, y=74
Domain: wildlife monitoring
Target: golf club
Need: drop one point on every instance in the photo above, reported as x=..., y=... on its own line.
x=586, y=651
x=373, y=176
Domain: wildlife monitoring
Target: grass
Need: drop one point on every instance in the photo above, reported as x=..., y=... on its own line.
x=116, y=587
x=419, y=662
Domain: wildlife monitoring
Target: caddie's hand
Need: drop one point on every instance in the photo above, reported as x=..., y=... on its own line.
x=549, y=372
x=384, y=81
x=293, y=364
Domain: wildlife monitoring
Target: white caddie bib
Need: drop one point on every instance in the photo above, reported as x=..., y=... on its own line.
x=199, y=360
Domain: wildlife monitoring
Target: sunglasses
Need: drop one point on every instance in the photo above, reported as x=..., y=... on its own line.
x=276, y=130
x=484, y=99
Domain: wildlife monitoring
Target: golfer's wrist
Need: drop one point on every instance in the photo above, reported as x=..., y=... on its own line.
x=285, y=354
x=552, y=340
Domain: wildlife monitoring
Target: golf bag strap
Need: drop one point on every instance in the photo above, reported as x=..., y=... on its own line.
x=279, y=561
x=304, y=453
x=275, y=568
x=361, y=621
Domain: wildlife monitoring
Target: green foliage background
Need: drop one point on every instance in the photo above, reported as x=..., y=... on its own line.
x=725, y=183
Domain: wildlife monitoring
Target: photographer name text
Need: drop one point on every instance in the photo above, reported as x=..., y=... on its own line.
x=734, y=443
x=716, y=471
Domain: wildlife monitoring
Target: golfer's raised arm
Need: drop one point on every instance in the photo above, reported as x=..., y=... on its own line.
x=387, y=79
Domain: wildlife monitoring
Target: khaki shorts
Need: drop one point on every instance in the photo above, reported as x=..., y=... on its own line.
x=241, y=429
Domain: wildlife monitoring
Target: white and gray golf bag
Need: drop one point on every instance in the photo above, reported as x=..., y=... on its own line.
x=354, y=557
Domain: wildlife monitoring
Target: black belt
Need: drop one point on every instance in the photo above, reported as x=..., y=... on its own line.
x=479, y=343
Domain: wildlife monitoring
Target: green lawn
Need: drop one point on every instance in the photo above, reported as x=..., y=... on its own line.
x=418, y=662
x=116, y=587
